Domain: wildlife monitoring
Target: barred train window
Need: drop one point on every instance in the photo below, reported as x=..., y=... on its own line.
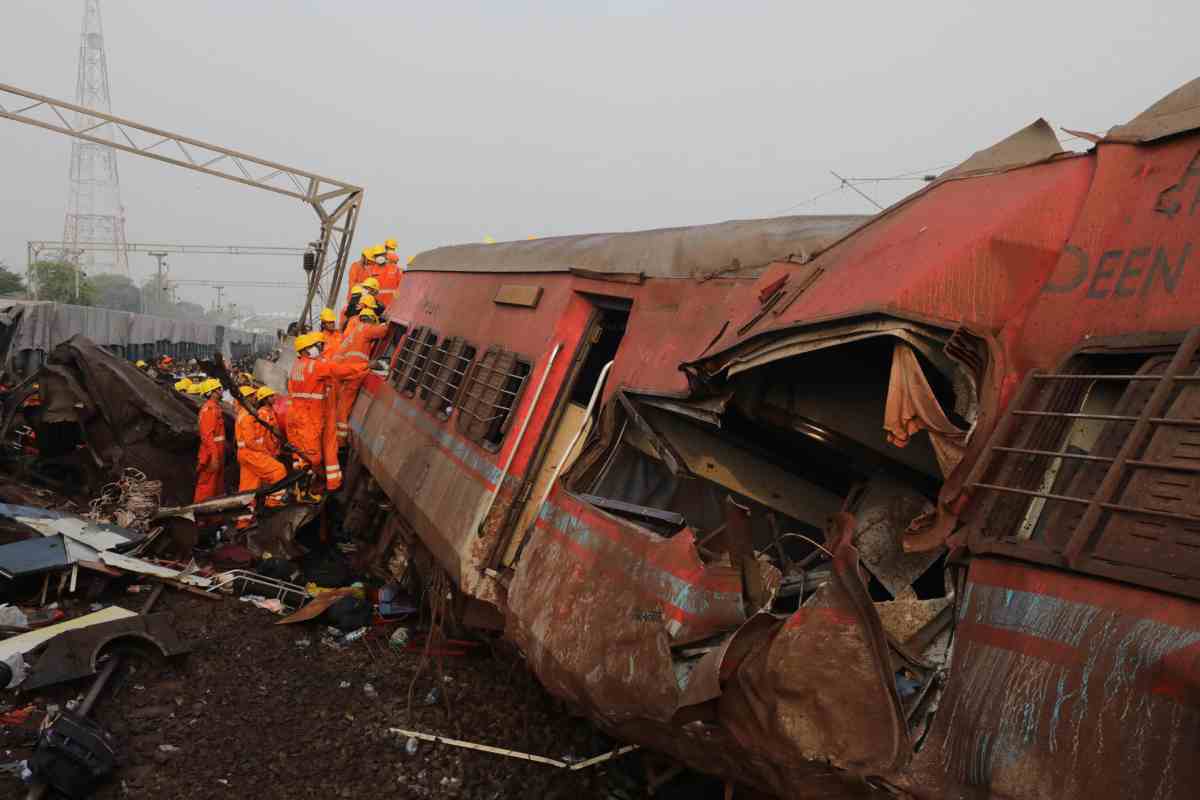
x=489, y=394
x=424, y=350
x=390, y=344
x=1054, y=463
x=440, y=385
x=406, y=357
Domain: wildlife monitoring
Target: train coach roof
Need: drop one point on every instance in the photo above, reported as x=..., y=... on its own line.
x=660, y=253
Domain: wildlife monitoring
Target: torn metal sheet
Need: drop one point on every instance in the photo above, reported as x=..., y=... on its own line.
x=139, y=566
x=76, y=653
x=1178, y=112
x=821, y=688
x=1033, y=143
x=882, y=515
x=95, y=535
x=596, y=603
x=904, y=617
x=34, y=556
x=26, y=642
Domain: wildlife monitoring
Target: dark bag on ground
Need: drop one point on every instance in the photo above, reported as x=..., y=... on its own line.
x=73, y=755
x=348, y=613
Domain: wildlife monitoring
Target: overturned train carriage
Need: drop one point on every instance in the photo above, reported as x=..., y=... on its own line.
x=836, y=506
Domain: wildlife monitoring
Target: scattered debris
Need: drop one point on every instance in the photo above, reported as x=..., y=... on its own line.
x=27, y=642
x=501, y=751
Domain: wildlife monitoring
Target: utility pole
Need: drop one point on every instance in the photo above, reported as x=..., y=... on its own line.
x=160, y=284
x=219, y=290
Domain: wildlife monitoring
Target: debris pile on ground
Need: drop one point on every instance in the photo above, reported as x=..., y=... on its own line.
x=269, y=710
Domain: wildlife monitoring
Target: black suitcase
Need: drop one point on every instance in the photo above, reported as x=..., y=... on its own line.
x=73, y=755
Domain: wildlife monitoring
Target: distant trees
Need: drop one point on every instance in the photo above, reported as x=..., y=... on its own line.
x=116, y=292
x=10, y=282
x=62, y=282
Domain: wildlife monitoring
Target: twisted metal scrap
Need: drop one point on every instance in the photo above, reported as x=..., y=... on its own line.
x=130, y=502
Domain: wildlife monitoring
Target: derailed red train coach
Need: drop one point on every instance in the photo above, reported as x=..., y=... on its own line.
x=835, y=506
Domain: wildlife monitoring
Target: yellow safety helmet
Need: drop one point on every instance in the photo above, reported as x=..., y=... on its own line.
x=378, y=250
x=409, y=261
x=366, y=254
x=390, y=244
x=211, y=385
x=356, y=289
x=182, y=384
x=307, y=340
x=368, y=301
x=264, y=393
x=371, y=283
x=140, y=364
x=246, y=391
x=327, y=315
x=369, y=314
x=195, y=388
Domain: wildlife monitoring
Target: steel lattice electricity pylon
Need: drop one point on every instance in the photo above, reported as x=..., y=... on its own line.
x=94, y=211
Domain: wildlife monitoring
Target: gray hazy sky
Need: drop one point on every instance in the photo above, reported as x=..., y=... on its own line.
x=517, y=118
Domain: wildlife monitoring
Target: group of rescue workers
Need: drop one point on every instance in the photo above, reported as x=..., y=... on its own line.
x=331, y=364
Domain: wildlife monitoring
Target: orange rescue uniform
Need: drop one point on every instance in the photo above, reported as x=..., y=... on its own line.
x=256, y=461
x=312, y=413
x=357, y=342
x=210, y=461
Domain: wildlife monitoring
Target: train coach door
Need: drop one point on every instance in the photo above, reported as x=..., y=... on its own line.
x=571, y=422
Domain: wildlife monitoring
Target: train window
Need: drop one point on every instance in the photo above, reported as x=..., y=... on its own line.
x=490, y=393
x=405, y=357
x=441, y=389
x=423, y=350
x=388, y=345
x=438, y=356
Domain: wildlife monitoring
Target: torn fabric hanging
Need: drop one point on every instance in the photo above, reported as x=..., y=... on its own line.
x=912, y=407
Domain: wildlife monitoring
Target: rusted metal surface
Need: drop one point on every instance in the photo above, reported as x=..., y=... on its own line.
x=597, y=602
x=1066, y=686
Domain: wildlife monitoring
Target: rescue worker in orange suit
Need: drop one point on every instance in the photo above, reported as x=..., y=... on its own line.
x=210, y=462
x=389, y=281
x=357, y=342
x=359, y=270
x=329, y=329
x=266, y=413
x=311, y=427
x=351, y=309
x=257, y=448
x=240, y=414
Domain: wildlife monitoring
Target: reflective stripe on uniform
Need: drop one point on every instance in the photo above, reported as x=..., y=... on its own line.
x=218, y=438
x=332, y=469
x=351, y=354
x=307, y=396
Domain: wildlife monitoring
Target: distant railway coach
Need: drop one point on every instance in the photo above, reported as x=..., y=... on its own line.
x=834, y=506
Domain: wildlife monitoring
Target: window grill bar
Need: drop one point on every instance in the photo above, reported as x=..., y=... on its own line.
x=1105, y=417
x=1101, y=459
x=1104, y=376
x=1150, y=512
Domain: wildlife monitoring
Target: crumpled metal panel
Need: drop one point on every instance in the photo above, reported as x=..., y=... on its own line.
x=1066, y=686
x=822, y=687
x=596, y=603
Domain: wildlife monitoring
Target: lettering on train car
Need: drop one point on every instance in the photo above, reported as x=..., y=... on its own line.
x=1118, y=274
x=1168, y=200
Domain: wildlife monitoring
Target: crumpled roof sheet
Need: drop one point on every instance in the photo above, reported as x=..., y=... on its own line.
x=662, y=253
x=1178, y=112
x=1033, y=143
